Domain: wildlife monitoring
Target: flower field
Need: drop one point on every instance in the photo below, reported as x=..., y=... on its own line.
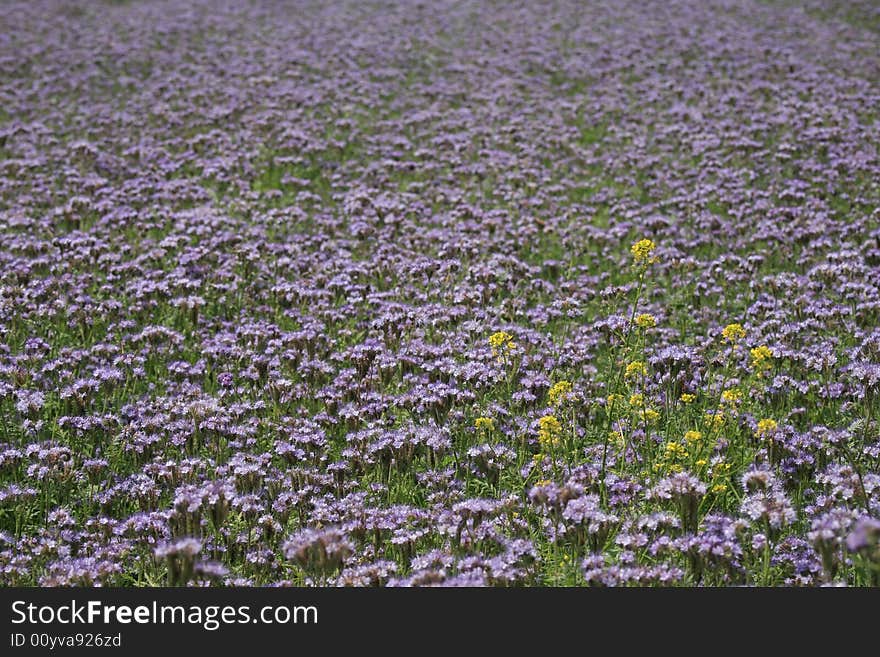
x=473, y=293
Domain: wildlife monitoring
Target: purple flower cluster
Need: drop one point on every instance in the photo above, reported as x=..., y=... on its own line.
x=353, y=295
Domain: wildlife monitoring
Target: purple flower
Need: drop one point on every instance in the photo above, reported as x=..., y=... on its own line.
x=179, y=556
x=865, y=536
x=828, y=533
x=685, y=491
x=589, y=523
x=771, y=508
x=319, y=550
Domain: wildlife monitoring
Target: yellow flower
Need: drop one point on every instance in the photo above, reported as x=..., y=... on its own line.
x=547, y=441
x=616, y=437
x=502, y=343
x=642, y=250
x=646, y=321
x=637, y=400
x=650, y=416
x=719, y=488
x=716, y=420
x=766, y=427
x=543, y=482
x=701, y=463
x=762, y=359
x=612, y=399
x=559, y=392
x=484, y=423
x=687, y=398
x=548, y=431
x=760, y=354
x=733, y=333
x=549, y=423
x=636, y=369
x=732, y=396
x=693, y=436
x=675, y=450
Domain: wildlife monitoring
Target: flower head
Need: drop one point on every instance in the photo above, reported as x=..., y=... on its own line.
x=642, y=250
x=715, y=419
x=502, y=344
x=484, y=423
x=180, y=556
x=865, y=536
x=636, y=369
x=733, y=333
x=685, y=491
x=693, y=436
x=732, y=396
x=321, y=550
x=762, y=359
x=612, y=399
x=675, y=450
x=766, y=428
x=771, y=506
x=646, y=321
x=559, y=392
x=549, y=429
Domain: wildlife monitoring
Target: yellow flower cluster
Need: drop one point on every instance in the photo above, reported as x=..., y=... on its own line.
x=720, y=469
x=762, y=359
x=559, y=392
x=636, y=369
x=675, y=450
x=733, y=333
x=646, y=321
x=485, y=424
x=642, y=250
x=671, y=459
x=637, y=400
x=649, y=415
x=693, y=436
x=732, y=397
x=688, y=398
x=766, y=427
x=548, y=432
x=715, y=419
x=502, y=343
x=717, y=473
